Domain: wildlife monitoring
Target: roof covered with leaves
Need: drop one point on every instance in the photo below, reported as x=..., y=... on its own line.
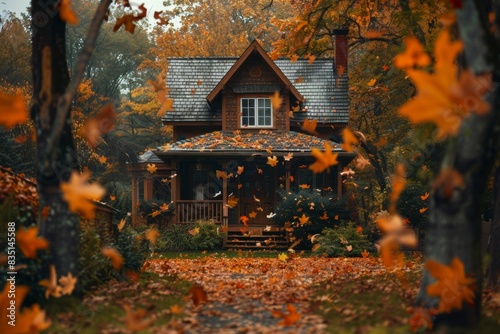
x=190, y=81
x=250, y=141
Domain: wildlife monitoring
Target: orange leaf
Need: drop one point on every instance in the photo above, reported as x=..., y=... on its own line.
x=244, y=219
x=67, y=284
x=198, y=295
x=365, y=254
x=115, y=257
x=304, y=219
x=80, y=195
x=28, y=241
x=398, y=181
x=129, y=20
x=121, y=224
x=152, y=168
x=323, y=160
x=372, y=82
x=160, y=20
x=349, y=139
x=276, y=100
x=175, y=309
x=221, y=175
x=232, y=201
x=66, y=13
x=288, y=157
x=310, y=126
x=12, y=110
x=100, y=124
x=424, y=196
x=414, y=55
x=423, y=210
x=304, y=186
x=252, y=214
x=152, y=234
x=289, y=318
x=45, y=212
x=136, y=320
x=272, y=161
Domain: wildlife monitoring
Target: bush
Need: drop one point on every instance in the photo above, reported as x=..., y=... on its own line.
x=202, y=235
x=133, y=247
x=334, y=242
x=294, y=205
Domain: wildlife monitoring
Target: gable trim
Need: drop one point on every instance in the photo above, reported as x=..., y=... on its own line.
x=254, y=46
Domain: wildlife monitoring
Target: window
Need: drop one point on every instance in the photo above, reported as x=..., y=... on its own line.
x=256, y=112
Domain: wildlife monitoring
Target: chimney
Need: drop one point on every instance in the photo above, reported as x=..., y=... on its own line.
x=340, y=44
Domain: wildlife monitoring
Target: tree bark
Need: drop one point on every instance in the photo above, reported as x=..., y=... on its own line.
x=494, y=270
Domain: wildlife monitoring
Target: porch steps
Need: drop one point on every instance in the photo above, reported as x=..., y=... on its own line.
x=266, y=241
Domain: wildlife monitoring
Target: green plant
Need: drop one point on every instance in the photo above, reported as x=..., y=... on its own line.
x=162, y=218
x=344, y=241
x=175, y=237
x=208, y=236
x=321, y=212
x=133, y=247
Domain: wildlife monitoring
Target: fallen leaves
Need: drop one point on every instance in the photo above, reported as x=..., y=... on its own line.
x=80, y=195
x=28, y=241
x=198, y=295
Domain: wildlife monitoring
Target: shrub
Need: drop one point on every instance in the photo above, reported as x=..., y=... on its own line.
x=146, y=208
x=208, y=236
x=202, y=235
x=326, y=211
x=133, y=247
x=334, y=242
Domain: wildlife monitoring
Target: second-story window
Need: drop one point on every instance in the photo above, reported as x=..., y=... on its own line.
x=256, y=112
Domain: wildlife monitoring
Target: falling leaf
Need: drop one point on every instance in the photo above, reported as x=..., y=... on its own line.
x=232, y=201
x=221, y=175
x=276, y=100
x=67, y=283
x=121, y=224
x=252, y=214
x=194, y=231
x=152, y=168
x=260, y=171
x=299, y=80
x=129, y=20
x=288, y=157
x=372, y=82
x=164, y=207
x=282, y=257
x=198, y=295
x=136, y=321
x=45, y=212
x=304, y=186
x=323, y=159
x=361, y=162
x=12, y=110
x=424, y=196
x=50, y=285
x=160, y=20
x=112, y=198
x=272, y=161
x=289, y=318
x=152, y=234
x=31, y=320
x=349, y=140
x=80, y=195
x=28, y=241
x=414, y=55
x=66, y=13
x=155, y=213
x=348, y=248
x=294, y=58
x=359, y=229
x=291, y=178
x=452, y=286
x=304, y=219
x=423, y=210
x=310, y=126
x=244, y=219
x=447, y=181
x=115, y=257
x=100, y=124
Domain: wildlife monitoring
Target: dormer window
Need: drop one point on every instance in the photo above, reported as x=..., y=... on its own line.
x=256, y=112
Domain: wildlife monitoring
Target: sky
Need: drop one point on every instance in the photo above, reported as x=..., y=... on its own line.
x=19, y=6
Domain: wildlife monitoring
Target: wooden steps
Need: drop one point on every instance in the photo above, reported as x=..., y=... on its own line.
x=262, y=241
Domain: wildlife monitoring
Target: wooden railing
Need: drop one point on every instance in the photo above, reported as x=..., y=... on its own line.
x=192, y=211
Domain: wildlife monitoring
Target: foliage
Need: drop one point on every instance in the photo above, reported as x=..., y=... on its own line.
x=155, y=213
x=307, y=213
x=208, y=236
x=202, y=235
x=133, y=247
x=343, y=241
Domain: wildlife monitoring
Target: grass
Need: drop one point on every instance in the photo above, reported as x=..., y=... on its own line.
x=101, y=311
x=226, y=254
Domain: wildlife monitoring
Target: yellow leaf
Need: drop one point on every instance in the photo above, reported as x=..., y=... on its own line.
x=252, y=214
x=51, y=287
x=414, y=55
x=12, y=110
x=323, y=160
x=164, y=207
x=272, y=161
x=67, y=283
x=288, y=157
x=372, y=82
x=115, y=257
x=349, y=140
x=67, y=14
x=80, y=195
x=194, y=231
x=28, y=241
x=283, y=257
x=152, y=234
x=232, y=201
x=155, y=213
x=276, y=100
x=152, y=168
x=310, y=126
x=121, y=224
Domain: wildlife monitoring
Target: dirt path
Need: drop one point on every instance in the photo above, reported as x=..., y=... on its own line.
x=243, y=292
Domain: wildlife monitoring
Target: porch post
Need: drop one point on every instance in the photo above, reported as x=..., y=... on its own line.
x=225, y=209
x=287, y=176
x=135, y=194
x=339, y=180
x=148, y=188
x=173, y=190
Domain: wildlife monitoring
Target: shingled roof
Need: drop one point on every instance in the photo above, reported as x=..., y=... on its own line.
x=191, y=80
x=279, y=143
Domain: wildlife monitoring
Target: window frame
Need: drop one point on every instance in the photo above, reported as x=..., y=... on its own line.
x=256, y=112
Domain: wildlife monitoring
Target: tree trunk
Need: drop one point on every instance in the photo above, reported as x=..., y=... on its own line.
x=50, y=79
x=494, y=270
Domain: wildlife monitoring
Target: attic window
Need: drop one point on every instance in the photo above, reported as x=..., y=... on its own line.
x=256, y=112
x=255, y=72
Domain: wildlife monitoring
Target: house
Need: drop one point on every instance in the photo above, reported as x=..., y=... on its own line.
x=231, y=114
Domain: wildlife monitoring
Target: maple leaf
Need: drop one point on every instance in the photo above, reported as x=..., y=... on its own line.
x=232, y=201
x=282, y=257
x=414, y=55
x=349, y=139
x=244, y=219
x=66, y=13
x=289, y=318
x=28, y=241
x=452, y=287
x=152, y=168
x=424, y=196
x=365, y=254
x=50, y=284
x=100, y=124
x=288, y=157
x=129, y=20
x=372, y=82
x=194, y=231
x=310, y=126
x=294, y=58
x=361, y=162
x=160, y=20
x=155, y=213
x=152, y=234
x=198, y=295
x=276, y=100
x=80, y=195
x=252, y=214
x=121, y=224
x=115, y=257
x=272, y=161
x=323, y=160
x=136, y=320
x=164, y=207
x=304, y=219
x=304, y=186
x=67, y=283
x=12, y=110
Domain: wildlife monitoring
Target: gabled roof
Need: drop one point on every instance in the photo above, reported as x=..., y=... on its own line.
x=254, y=47
x=191, y=80
x=248, y=142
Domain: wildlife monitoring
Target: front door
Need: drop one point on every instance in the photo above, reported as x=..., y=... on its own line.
x=257, y=193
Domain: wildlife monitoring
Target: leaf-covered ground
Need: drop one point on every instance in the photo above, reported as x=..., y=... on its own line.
x=252, y=294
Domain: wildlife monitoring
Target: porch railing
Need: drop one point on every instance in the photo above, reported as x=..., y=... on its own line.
x=190, y=211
